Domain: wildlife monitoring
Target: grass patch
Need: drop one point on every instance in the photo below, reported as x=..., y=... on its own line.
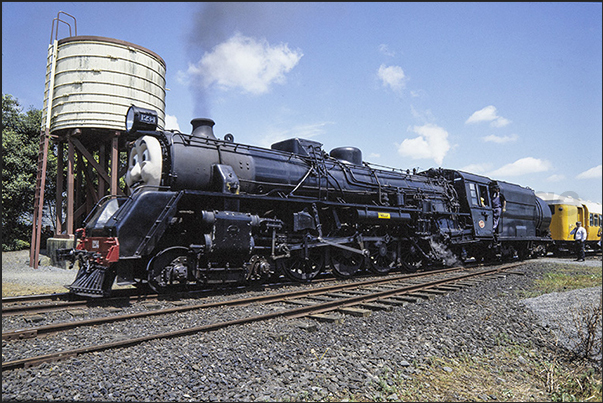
x=565, y=277
x=504, y=375
x=512, y=373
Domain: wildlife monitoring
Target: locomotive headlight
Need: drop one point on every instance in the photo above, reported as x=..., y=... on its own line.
x=140, y=119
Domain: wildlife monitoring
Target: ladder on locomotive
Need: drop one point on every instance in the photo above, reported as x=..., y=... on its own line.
x=36, y=233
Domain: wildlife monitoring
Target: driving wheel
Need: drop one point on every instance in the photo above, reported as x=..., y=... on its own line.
x=344, y=263
x=167, y=271
x=382, y=257
x=301, y=267
x=411, y=258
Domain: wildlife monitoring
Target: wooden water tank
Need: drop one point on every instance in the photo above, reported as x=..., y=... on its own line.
x=96, y=80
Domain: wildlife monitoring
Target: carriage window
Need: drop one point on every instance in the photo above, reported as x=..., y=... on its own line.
x=592, y=220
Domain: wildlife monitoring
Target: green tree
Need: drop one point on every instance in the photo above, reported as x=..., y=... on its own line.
x=20, y=146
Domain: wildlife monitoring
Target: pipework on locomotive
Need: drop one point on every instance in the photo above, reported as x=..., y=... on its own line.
x=205, y=211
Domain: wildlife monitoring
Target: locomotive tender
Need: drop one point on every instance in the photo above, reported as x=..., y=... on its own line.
x=204, y=211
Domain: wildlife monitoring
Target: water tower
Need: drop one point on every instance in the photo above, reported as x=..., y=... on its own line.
x=90, y=84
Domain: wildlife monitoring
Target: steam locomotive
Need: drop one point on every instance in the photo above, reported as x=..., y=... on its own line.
x=205, y=211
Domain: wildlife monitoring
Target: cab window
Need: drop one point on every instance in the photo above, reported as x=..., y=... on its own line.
x=483, y=194
x=473, y=194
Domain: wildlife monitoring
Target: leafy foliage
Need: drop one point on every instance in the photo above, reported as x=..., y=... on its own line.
x=20, y=146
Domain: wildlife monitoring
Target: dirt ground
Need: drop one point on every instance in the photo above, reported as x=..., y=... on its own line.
x=18, y=278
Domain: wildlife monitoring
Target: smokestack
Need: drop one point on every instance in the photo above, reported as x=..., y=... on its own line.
x=203, y=127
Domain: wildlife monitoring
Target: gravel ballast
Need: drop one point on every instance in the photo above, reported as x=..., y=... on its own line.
x=283, y=360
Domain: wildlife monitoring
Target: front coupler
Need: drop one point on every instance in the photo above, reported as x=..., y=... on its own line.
x=92, y=279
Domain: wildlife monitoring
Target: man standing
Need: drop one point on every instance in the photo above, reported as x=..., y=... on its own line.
x=580, y=236
x=499, y=206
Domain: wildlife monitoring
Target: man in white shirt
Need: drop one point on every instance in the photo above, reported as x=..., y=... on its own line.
x=580, y=236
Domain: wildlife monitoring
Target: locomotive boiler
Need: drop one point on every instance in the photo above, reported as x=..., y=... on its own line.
x=204, y=210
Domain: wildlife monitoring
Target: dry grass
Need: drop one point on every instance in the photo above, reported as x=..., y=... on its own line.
x=509, y=374
x=499, y=376
x=10, y=289
x=566, y=277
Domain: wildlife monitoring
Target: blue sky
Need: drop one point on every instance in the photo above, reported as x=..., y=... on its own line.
x=512, y=91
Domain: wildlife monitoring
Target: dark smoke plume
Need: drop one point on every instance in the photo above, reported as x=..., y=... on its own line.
x=216, y=22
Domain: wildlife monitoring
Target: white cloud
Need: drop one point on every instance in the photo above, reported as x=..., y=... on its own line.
x=171, y=123
x=392, y=76
x=500, y=139
x=555, y=178
x=476, y=168
x=592, y=173
x=500, y=122
x=488, y=114
x=432, y=143
x=523, y=166
x=246, y=63
x=425, y=115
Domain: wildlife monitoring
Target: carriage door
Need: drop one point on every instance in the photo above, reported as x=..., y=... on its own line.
x=481, y=209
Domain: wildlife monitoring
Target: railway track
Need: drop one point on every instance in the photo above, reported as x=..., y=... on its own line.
x=44, y=303
x=317, y=303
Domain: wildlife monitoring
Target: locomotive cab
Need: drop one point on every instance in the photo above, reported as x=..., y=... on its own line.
x=475, y=198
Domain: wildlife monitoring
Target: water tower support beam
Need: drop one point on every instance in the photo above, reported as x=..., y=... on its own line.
x=70, y=186
x=59, y=198
x=115, y=164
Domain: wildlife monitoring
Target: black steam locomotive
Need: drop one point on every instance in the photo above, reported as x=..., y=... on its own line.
x=208, y=211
